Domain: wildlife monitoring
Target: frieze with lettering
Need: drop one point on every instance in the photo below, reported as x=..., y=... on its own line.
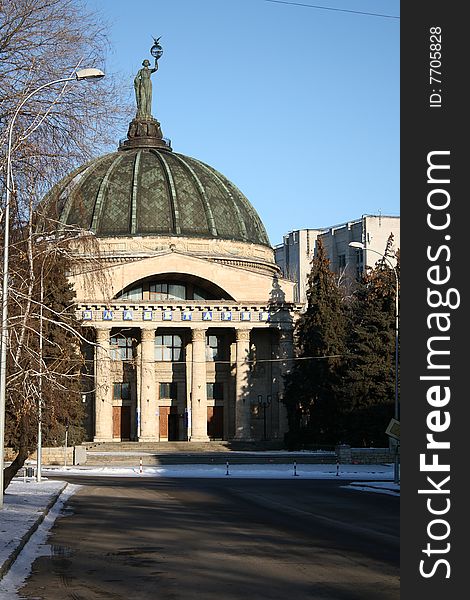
x=167, y=314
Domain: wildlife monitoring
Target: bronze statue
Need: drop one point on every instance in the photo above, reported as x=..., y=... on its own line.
x=144, y=130
x=143, y=84
x=143, y=89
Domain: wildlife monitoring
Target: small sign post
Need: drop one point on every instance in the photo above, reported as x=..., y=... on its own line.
x=393, y=429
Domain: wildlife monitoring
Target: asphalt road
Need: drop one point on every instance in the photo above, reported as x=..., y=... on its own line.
x=224, y=539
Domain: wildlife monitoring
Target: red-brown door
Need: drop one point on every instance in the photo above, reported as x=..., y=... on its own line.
x=164, y=412
x=215, y=422
x=116, y=422
x=122, y=422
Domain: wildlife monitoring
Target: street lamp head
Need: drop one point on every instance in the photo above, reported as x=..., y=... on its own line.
x=358, y=245
x=89, y=74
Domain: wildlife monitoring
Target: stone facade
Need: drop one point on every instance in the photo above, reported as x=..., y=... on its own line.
x=189, y=368
x=188, y=317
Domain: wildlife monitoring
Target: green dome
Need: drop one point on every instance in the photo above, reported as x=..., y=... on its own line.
x=154, y=191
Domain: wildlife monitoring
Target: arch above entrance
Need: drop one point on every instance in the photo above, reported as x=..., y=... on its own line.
x=173, y=286
x=236, y=283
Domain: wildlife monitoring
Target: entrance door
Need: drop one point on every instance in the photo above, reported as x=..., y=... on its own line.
x=125, y=422
x=164, y=412
x=169, y=423
x=215, y=422
x=117, y=422
x=173, y=424
x=122, y=422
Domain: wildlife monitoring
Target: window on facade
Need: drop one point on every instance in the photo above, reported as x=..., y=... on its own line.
x=132, y=294
x=168, y=390
x=157, y=291
x=342, y=261
x=88, y=353
x=121, y=391
x=213, y=347
x=199, y=294
x=121, y=347
x=359, y=263
x=167, y=291
x=168, y=348
x=215, y=391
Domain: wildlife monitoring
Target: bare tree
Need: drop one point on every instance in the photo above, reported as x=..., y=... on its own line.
x=44, y=360
x=57, y=129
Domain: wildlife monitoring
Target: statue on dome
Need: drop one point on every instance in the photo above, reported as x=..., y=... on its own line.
x=143, y=83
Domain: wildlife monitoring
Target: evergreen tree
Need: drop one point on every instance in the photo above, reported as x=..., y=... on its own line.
x=311, y=387
x=369, y=371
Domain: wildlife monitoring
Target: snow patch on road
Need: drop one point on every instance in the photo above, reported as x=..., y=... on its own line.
x=380, y=487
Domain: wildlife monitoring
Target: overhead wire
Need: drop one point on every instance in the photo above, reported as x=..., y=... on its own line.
x=344, y=10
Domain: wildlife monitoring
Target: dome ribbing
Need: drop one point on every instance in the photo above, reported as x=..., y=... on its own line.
x=154, y=191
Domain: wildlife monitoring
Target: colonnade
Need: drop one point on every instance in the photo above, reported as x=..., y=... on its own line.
x=148, y=402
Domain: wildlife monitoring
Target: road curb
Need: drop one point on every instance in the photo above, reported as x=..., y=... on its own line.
x=372, y=485
x=5, y=567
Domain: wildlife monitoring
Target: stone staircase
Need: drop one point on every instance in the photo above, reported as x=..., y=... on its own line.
x=212, y=453
x=176, y=447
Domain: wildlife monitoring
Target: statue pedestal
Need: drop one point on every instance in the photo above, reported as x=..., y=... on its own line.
x=144, y=132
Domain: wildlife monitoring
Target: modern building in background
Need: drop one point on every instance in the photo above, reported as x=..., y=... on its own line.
x=295, y=254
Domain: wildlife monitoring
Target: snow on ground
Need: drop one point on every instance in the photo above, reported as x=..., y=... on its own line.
x=380, y=472
x=26, y=500
x=24, y=503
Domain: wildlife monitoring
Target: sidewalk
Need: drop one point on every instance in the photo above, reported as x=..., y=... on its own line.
x=26, y=504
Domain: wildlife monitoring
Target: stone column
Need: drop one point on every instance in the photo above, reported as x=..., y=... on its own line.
x=149, y=429
x=198, y=387
x=104, y=391
x=286, y=352
x=242, y=397
x=188, y=388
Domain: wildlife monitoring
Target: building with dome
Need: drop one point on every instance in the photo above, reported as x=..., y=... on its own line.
x=189, y=318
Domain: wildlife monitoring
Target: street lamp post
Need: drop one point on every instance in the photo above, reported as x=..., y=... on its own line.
x=41, y=345
x=361, y=246
x=264, y=404
x=80, y=75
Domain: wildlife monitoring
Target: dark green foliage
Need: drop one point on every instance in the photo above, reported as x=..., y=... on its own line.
x=313, y=405
x=342, y=387
x=41, y=301
x=63, y=361
x=369, y=370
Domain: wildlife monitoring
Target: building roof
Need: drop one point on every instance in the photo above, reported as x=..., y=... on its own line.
x=154, y=191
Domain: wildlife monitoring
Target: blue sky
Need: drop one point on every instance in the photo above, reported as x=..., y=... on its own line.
x=299, y=107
